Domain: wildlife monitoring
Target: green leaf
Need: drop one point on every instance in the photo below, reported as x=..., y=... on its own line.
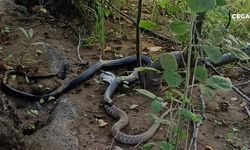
x=149, y=94
x=156, y=106
x=163, y=3
x=219, y=82
x=201, y=5
x=216, y=36
x=148, y=146
x=188, y=114
x=213, y=53
x=180, y=38
x=148, y=25
x=165, y=145
x=146, y=93
x=207, y=91
x=201, y=73
x=221, y=2
x=173, y=9
x=173, y=79
x=179, y=27
x=168, y=62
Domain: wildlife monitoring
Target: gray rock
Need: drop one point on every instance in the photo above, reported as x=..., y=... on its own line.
x=56, y=135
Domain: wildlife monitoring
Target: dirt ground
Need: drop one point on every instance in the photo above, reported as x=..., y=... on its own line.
x=221, y=130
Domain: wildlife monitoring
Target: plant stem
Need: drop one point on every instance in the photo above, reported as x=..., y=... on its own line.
x=138, y=52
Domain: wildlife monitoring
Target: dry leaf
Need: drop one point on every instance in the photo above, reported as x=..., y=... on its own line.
x=133, y=106
x=102, y=123
x=234, y=99
x=208, y=147
x=107, y=49
x=243, y=104
x=7, y=67
x=154, y=49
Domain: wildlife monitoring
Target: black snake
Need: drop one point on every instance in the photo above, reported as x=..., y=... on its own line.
x=111, y=109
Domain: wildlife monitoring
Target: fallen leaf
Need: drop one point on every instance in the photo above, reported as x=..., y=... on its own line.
x=107, y=49
x=234, y=99
x=133, y=106
x=154, y=49
x=40, y=86
x=102, y=123
x=243, y=104
x=208, y=147
x=7, y=67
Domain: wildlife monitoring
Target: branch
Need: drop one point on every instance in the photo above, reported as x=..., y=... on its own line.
x=168, y=40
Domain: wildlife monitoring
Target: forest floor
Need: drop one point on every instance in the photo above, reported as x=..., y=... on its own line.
x=223, y=129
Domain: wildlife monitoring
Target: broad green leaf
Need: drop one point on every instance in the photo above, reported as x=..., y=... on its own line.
x=217, y=37
x=201, y=73
x=221, y=2
x=149, y=25
x=188, y=114
x=201, y=5
x=168, y=62
x=156, y=106
x=180, y=38
x=165, y=145
x=179, y=27
x=213, y=53
x=173, y=9
x=207, y=91
x=148, y=146
x=173, y=79
x=219, y=82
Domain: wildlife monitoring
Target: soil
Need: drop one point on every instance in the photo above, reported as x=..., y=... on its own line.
x=71, y=122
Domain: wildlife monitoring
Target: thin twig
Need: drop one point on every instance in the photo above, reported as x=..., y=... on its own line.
x=203, y=105
x=78, y=48
x=244, y=83
x=136, y=146
x=247, y=110
x=193, y=142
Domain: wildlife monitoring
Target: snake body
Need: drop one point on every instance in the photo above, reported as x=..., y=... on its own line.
x=122, y=116
x=85, y=75
x=112, y=110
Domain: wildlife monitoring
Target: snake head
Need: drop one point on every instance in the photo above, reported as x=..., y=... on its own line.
x=107, y=76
